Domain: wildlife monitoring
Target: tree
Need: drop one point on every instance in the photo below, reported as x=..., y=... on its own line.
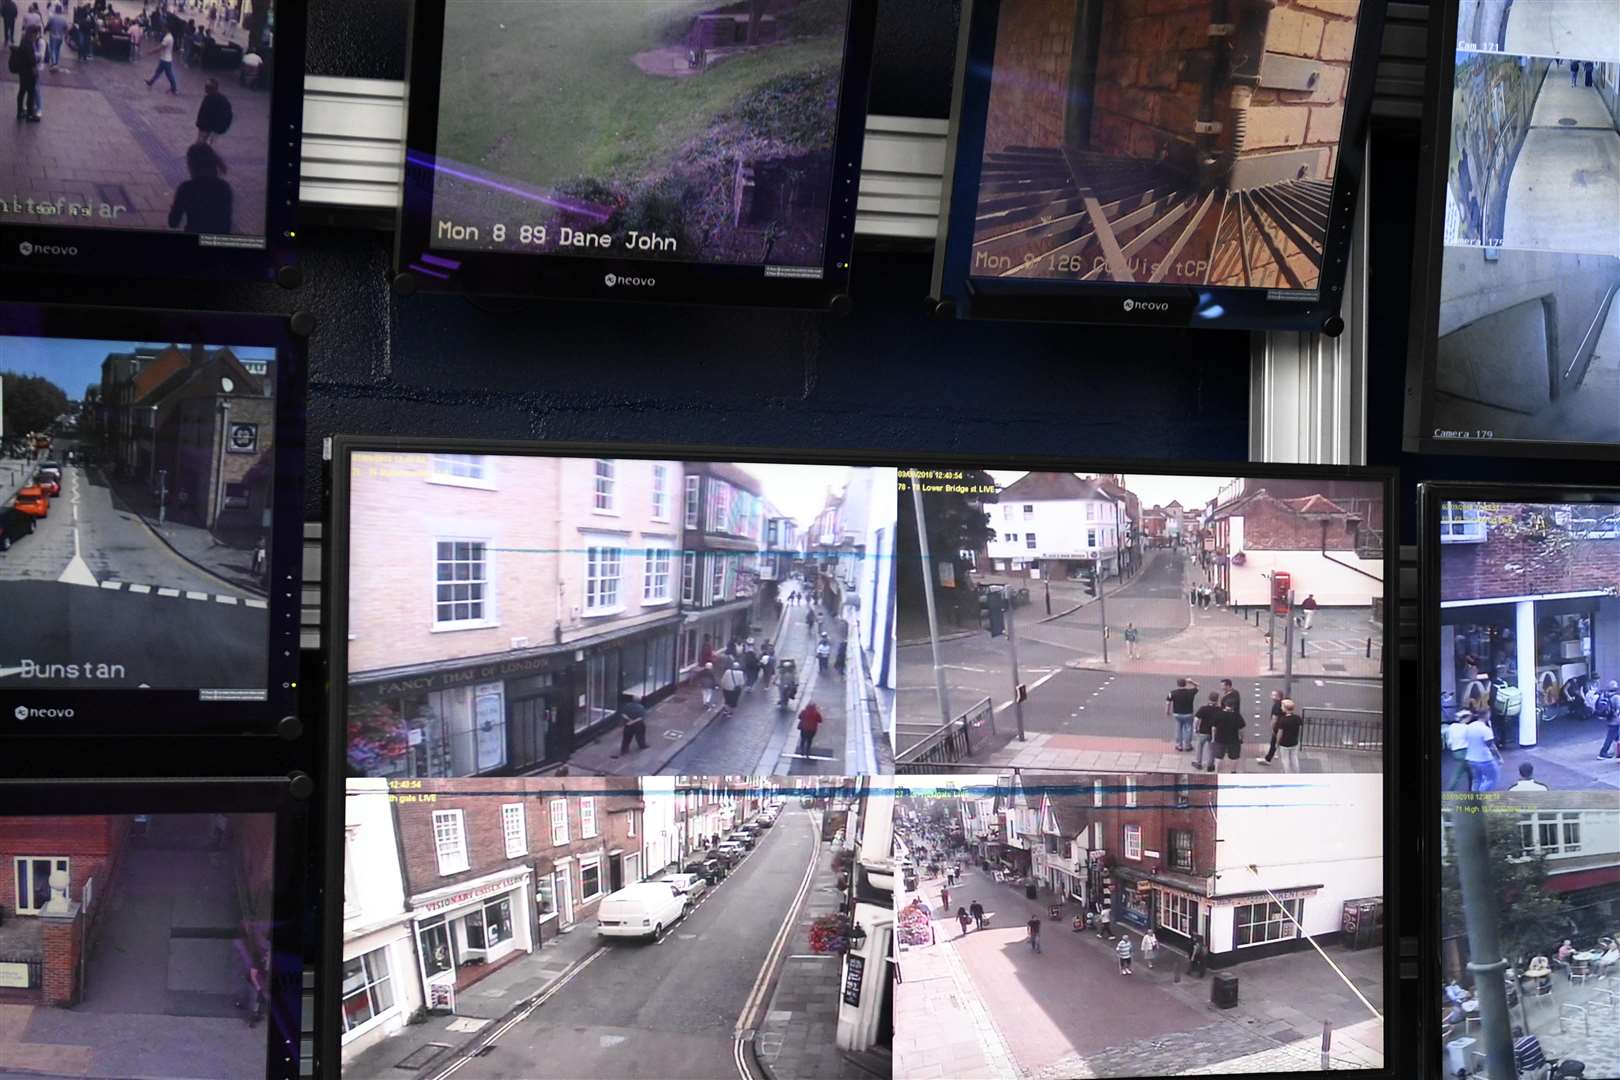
x=32, y=403
x=1532, y=919
x=954, y=511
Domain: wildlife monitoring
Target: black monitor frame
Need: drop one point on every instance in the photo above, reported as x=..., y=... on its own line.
x=40, y=249
x=1423, y=333
x=170, y=712
x=956, y=291
x=287, y=798
x=587, y=277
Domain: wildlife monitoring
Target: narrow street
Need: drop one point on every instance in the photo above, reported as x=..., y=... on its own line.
x=1564, y=194
x=1578, y=28
x=93, y=580
x=670, y=1011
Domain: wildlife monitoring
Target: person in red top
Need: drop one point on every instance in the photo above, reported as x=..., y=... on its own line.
x=809, y=722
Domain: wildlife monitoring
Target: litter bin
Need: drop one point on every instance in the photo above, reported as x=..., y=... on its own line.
x=1029, y=890
x=1223, y=990
x=1457, y=1053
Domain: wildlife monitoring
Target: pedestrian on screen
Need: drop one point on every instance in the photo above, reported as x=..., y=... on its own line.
x=634, y=716
x=1130, y=640
x=8, y=17
x=203, y=203
x=945, y=897
x=165, y=64
x=751, y=664
x=214, y=114
x=1456, y=736
x=977, y=910
x=963, y=918
x=1196, y=956
x=1150, y=947
x=1308, y=606
x=1034, y=926
x=1287, y=728
x=809, y=724
x=731, y=687
x=767, y=663
x=1203, y=745
x=1229, y=739
x=707, y=682
x=1180, y=704
x=1528, y=782
x=1607, y=708
x=1230, y=698
x=1484, y=760
x=1123, y=950
x=1574, y=73
x=1276, y=711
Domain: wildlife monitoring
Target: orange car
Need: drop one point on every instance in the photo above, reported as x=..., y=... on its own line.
x=33, y=500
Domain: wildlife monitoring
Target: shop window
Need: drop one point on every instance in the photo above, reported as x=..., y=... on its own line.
x=545, y=896
x=368, y=990
x=490, y=925
x=590, y=878
x=449, y=841
x=693, y=502
x=603, y=565
x=462, y=590
x=660, y=492
x=434, y=942
x=1257, y=924
x=34, y=881
x=587, y=816
x=514, y=829
x=1133, y=842
x=605, y=486
x=1462, y=523
x=1178, y=913
x=1181, y=850
x=559, y=822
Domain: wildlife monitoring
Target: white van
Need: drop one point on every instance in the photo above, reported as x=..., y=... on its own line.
x=645, y=909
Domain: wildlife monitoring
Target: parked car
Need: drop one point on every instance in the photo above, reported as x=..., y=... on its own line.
x=711, y=867
x=731, y=851
x=743, y=837
x=645, y=910
x=690, y=886
x=53, y=465
x=14, y=525
x=33, y=502
x=50, y=485
x=765, y=821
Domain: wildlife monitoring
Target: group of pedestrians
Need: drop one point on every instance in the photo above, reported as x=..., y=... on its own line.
x=1213, y=732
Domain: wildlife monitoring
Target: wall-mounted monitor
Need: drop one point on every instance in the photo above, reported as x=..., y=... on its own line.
x=1188, y=163
x=510, y=609
x=1515, y=332
x=692, y=152
x=152, y=141
x=152, y=470
x=152, y=928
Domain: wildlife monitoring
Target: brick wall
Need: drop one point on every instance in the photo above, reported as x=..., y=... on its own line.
x=1156, y=814
x=90, y=843
x=62, y=937
x=1028, y=94
x=1268, y=526
x=1517, y=559
x=1143, y=108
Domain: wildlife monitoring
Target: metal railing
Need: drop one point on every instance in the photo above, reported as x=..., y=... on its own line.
x=1343, y=729
x=948, y=744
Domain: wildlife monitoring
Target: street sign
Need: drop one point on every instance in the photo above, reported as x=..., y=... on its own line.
x=244, y=439
x=1023, y=692
x=854, y=972
x=14, y=976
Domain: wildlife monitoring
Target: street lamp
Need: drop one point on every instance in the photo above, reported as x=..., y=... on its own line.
x=225, y=387
x=857, y=938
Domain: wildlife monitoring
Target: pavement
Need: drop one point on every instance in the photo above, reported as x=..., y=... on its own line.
x=1565, y=759
x=160, y=980
x=638, y=1011
x=110, y=151
x=225, y=556
x=798, y=1039
x=95, y=582
x=1564, y=193
x=992, y=1001
x=1590, y=1039
x=1569, y=28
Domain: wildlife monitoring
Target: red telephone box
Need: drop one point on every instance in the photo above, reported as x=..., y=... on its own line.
x=1282, y=583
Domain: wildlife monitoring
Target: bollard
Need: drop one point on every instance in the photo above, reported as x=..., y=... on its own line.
x=1302, y=646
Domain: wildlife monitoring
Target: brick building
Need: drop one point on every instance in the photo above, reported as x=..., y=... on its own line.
x=1528, y=593
x=537, y=592
x=1328, y=544
x=43, y=938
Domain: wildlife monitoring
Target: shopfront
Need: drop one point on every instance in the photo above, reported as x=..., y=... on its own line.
x=463, y=932
x=1178, y=915
x=1135, y=904
x=503, y=717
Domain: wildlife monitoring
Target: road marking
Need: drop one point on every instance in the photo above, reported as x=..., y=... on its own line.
x=221, y=599
x=76, y=572
x=140, y=589
x=260, y=604
x=756, y=996
x=196, y=595
x=168, y=592
x=113, y=585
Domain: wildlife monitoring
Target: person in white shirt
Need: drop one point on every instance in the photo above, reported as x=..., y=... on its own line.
x=1527, y=779
x=1484, y=760
x=1457, y=749
x=165, y=64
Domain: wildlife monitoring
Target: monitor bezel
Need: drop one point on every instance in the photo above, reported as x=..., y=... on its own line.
x=1428, y=262
x=130, y=253
x=278, y=796
x=335, y=589
x=583, y=277
x=1189, y=306
x=166, y=713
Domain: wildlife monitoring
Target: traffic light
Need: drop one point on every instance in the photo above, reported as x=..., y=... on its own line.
x=1091, y=583
x=996, y=607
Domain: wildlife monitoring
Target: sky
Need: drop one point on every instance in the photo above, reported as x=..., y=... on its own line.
x=75, y=363
x=799, y=491
x=1154, y=490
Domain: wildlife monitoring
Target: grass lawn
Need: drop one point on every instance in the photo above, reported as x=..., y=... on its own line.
x=555, y=95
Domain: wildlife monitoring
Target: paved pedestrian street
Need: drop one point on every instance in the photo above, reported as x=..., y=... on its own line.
x=982, y=1004
x=110, y=151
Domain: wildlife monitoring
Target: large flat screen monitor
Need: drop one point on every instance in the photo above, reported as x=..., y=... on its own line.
x=152, y=138
x=152, y=929
x=1188, y=163
x=151, y=550
x=1520, y=659
x=1515, y=332
x=685, y=152
x=506, y=609
x=1113, y=616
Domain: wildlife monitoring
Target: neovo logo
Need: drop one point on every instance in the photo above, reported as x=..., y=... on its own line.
x=1146, y=305
x=25, y=249
x=616, y=280
x=23, y=712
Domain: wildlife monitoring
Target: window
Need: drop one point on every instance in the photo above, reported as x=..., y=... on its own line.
x=693, y=504
x=1183, y=791
x=1029, y=511
x=688, y=577
x=720, y=506
x=1091, y=538
x=1130, y=791
x=516, y=832
x=630, y=820
x=559, y=822
x=1551, y=833
x=605, y=485
x=433, y=944
x=491, y=924
x=602, y=567
x=660, y=492
x=368, y=990
x=717, y=577
x=449, y=841
x=34, y=881
x=1096, y=793
x=1178, y=913
x=1009, y=512
x=1181, y=850
x=1011, y=538
x=590, y=878
x=1091, y=511
x=461, y=584
x=655, y=576
x=1461, y=523
x=545, y=896
x=1133, y=841
x=1256, y=924
x=461, y=470
x=587, y=816
x=1029, y=541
